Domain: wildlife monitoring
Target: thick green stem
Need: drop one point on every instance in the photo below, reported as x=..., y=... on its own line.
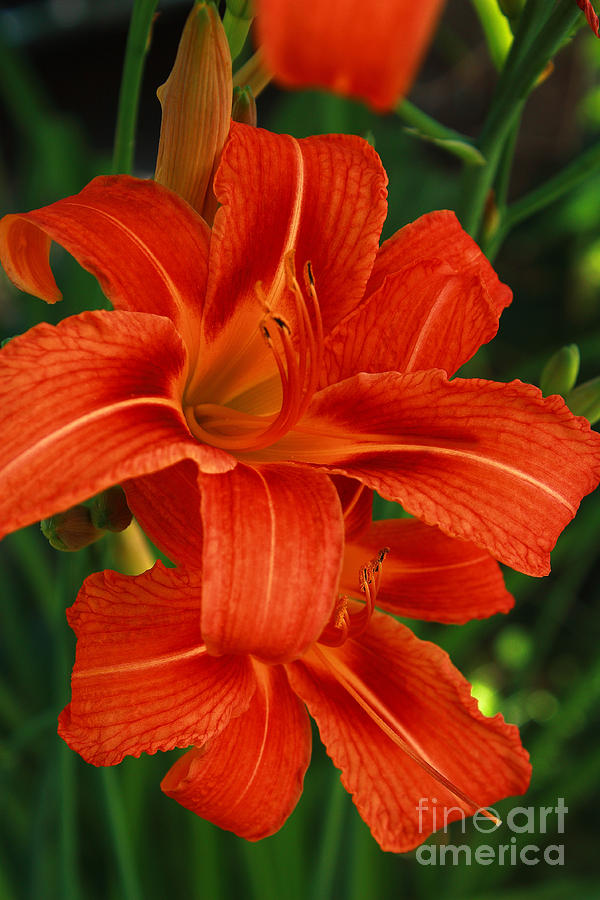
x=538, y=37
x=138, y=41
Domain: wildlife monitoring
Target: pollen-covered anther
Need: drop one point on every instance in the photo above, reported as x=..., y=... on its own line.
x=335, y=632
x=346, y=623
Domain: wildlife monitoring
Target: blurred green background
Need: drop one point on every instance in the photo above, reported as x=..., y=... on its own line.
x=71, y=831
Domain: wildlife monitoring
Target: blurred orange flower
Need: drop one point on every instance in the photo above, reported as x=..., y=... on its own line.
x=361, y=49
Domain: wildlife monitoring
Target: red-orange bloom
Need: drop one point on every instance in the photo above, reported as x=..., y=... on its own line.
x=243, y=366
x=366, y=50
x=240, y=369
x=395, y=715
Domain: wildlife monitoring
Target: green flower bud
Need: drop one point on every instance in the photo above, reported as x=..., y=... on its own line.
x=560, y=372
x=244, y=106
x=584, y=400
x=109, y=510
x=71, y=530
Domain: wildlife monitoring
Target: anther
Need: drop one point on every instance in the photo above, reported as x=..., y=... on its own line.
x=345, y=624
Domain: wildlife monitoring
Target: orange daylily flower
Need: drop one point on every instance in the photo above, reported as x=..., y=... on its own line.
x=241, y=369
x=396, y=717
x=243, y=366
x=366, y=50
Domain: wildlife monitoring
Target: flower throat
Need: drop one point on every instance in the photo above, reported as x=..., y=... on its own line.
x=298, y=355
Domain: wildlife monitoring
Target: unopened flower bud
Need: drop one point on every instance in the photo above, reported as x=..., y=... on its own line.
x=196, y=107
x=71, y=530
x=244, y=106
x=109, y=510
x=584, y=400
x=560, y=372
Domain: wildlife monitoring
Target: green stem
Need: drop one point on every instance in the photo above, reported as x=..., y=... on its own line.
x=505, y=166
x=130, y=888
x=236, y=29
x=331, y=843
x=556, y=187
x=66, y=574
x=138, y=41
x=571, y=177
x=496, y=29
x=501, y=184
x=537, y=39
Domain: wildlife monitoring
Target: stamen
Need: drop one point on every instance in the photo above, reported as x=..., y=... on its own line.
x=336, y=632
x=367, y=701
x=355, y=622
x=298, y=357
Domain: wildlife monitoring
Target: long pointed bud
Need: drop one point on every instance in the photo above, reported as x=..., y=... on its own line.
x=196, y=107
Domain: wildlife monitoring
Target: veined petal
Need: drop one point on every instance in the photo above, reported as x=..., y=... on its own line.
x=273, y=542
x=87, y=404
x=428, y=575
x=143, y=680
x=438, y=235
x=444, y=318
x=146, y=246
x=167, y=506
x=357, y=506
x=248, y=778
x=196, y=107
x=322, y=197
x=491, y=463
x=388, y=685
x=366, y=50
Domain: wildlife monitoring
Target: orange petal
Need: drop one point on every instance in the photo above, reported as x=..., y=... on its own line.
x=146, y=247
x=428, y=575
x=388, y=675
x=366, y=50
x=322, y=197
x=143, y=680
x=273, y=541
x=167, y=506
x=248, y=779
x=491, y=463
x=357, y=506
x=87, y=404
x=445, y=318
x=196, y=107
x=438, y=235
